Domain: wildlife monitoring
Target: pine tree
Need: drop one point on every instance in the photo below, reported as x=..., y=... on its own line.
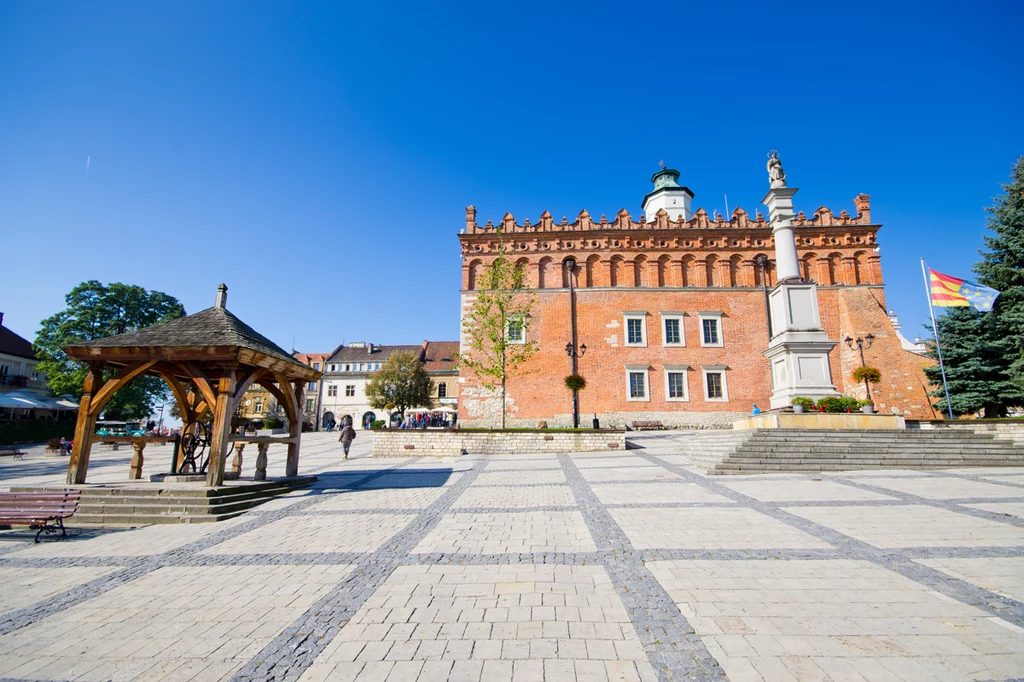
x=977, y=358
x=1002, y=267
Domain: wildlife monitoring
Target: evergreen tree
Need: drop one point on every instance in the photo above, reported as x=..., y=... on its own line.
x=977, y=358
x=1002, y=266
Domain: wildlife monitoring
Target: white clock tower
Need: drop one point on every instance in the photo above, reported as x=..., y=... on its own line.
x=668, y=194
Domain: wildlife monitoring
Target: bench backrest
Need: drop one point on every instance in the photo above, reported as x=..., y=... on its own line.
x=56, y=501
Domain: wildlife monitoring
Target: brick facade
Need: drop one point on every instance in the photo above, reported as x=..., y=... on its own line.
x=691, y=269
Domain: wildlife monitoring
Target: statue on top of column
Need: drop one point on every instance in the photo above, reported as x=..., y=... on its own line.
x=776, y=176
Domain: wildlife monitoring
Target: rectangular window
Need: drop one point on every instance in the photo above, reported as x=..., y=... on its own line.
x=714, y=380
x=332, y=391
x=442, y=390
x=316, y=366
x=636, y=328
x=516, y=330
x=350, y=390
x=312, y=385
x=637, y=387
x=334, y=368
x=716, y=389
x=711, y=329
x=259, y=407
x=348, y=368
x=309, y=405
x=671, y=330
x=676, y=385
x=637, y=383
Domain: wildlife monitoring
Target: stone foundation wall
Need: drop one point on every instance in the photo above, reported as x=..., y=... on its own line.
x=619, y=420
x=416, y=443
x=1009, y=430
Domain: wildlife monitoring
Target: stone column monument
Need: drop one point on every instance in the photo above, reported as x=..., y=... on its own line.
x=798, y=350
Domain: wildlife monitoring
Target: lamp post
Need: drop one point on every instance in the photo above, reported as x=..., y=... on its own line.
x=861, y=344
x=761, y=261
x=571, y=349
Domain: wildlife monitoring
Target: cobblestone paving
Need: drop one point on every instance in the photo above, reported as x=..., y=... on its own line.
x=625, y=566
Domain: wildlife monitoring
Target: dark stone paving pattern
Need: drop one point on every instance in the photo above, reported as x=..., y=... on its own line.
x=674, y=649
x=295, y=649
x=895, y=560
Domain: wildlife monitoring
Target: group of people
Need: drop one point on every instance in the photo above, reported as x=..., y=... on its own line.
x=423, y=420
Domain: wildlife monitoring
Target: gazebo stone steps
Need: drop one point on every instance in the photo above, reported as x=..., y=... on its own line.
x=134, y=506
x=774, y=450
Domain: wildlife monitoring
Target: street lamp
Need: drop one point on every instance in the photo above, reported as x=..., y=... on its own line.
x=761, y=261
x=571, y=349
x=861, y=344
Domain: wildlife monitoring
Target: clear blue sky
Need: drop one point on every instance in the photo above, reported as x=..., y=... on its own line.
x=318, y=157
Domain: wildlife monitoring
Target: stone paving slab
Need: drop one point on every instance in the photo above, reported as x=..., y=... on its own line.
x=591, y=566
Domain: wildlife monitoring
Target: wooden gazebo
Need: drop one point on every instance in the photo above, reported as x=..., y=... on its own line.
x=208, y=360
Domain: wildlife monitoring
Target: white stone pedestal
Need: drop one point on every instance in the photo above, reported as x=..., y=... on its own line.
x=799, y=348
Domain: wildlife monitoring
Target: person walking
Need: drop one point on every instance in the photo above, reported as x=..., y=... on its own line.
x=348, y=434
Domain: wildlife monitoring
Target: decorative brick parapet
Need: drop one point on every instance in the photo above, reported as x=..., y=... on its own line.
x=419, y=443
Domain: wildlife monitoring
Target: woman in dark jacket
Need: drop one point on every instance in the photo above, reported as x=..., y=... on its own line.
x=348, y=434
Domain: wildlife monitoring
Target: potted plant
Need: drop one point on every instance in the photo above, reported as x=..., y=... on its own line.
x=867, y=407
x=801, y=404
x=867, y=374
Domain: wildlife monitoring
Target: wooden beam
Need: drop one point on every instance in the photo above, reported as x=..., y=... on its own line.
x=114, y=384
x=180, y=396
x=85, y=427
x=201, y=382
x=221, y=430
x=291, y=466
x=244, y=383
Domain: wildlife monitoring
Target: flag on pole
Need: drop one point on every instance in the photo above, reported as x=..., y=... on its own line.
x=948, y=291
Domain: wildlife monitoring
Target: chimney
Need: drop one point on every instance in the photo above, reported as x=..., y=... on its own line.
x=470, y=219
x=369, y=349
x=423, y=351
x=222, y=297
x=863, y=204
x=1, y=319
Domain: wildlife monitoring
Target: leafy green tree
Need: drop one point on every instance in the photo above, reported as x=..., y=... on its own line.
x=496, y=327
x=1002, y=266
x=95, y=310
x=401, y=382
x=977, y=360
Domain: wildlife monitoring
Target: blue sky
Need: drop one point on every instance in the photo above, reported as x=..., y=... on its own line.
x=318, y=157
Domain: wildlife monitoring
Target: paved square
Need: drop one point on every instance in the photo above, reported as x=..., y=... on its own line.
x=834, y=619
x=593, y=567
x=508, y=532
x=511, y=621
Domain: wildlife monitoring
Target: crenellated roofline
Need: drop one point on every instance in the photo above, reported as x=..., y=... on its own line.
x=740, y=219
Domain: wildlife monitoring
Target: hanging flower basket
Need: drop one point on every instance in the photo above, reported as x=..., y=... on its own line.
x=869, y=374
x=574, y=382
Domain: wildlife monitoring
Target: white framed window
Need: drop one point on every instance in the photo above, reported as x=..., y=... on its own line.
x=515, y=330
x=312, y=385
x=716, y=390
x=348, y=368
x=350, y=390
x=672, y=330
x=334, y=368
x=637, y=383
x=309, y=404
x=316, y=366
x=711, y=329
x=259, y=407
x=332, y=391
x=634, y=322
x=676, y=385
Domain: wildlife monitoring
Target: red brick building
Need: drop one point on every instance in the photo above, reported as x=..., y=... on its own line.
x=672, y=311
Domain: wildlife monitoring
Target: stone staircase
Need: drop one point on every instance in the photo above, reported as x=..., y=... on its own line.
x=776, y=450
x=142, y=505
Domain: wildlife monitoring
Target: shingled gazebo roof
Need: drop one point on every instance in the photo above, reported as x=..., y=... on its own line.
x=211, y=334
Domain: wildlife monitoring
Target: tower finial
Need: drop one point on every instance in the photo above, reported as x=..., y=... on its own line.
x=661, y=164
x=222, y=296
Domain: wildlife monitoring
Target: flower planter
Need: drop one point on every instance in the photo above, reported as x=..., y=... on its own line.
x=867, y=409
x=798, y=409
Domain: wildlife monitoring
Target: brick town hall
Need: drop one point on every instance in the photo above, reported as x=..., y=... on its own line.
x=673, y=313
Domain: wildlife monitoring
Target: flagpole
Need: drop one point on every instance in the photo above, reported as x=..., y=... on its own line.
x=935, y=328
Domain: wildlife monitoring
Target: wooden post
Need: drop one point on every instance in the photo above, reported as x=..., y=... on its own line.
x=85, y=427
x=137, y=460
x=261, y=462
x=236, y=463
x=221, y=429
x=291, y=467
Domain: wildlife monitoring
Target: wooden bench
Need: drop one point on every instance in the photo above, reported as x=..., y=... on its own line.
x=12, y=451
x=647, y=425
x=45, y=511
